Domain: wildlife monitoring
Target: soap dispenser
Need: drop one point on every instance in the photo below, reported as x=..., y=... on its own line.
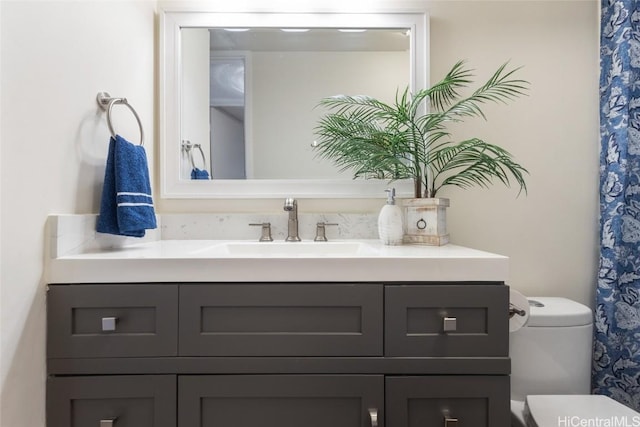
x=390, y=228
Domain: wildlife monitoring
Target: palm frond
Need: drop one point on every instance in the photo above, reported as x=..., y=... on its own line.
x=474, y=163
x=499, y=88
x=402, y=140
x=443, y=93
x=365, y=147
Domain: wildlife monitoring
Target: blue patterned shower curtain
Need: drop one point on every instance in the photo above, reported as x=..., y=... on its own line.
x=616, y=367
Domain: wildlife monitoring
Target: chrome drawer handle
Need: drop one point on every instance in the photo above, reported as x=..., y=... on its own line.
x=108, y=325
x=108, y=423
x=450, y=422
x=373, y=415
x=449, y=324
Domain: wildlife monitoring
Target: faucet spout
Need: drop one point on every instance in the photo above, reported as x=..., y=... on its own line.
x=291, y=206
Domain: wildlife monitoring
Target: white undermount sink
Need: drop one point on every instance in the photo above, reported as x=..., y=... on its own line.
x=287, y=249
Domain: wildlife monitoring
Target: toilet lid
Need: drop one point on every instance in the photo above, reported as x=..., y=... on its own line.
x=578, y=410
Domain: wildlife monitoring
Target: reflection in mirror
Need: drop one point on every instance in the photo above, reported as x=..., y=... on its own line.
x=228, y=152
x=243, y=89
x=286, y=74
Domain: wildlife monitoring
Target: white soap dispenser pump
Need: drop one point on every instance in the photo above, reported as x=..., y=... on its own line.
x=390, y=227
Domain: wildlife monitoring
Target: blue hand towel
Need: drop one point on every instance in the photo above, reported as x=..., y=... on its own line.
x=126, y=207
x=199, y=174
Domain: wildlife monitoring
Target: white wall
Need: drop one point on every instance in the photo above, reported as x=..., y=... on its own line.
x=287, y=87
x=551, y=234
x=56, y=55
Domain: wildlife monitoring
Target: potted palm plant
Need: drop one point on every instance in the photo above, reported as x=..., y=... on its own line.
x=409, y=139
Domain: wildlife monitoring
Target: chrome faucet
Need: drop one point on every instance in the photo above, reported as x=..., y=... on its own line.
x=291, y=206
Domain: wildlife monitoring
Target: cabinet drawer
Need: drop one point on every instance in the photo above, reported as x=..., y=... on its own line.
x=448, y=401
x=118, y=401
x=281, y=320
x=112, y=320
x=281, y=400
x=447, y=320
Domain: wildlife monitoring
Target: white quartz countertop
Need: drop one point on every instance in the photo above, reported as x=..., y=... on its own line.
x=249, y=261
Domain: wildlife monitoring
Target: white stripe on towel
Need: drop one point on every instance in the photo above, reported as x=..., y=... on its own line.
x=135, y=204
x=125, y=193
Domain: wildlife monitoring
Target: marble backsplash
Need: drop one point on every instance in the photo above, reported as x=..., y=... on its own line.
x=74, y=234
x=236, y=226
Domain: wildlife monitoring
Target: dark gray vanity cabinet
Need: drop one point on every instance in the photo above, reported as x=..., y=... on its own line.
x=441, y=320
x=112, y=401
x=281, y=320
x=278, y=354
x=86, y=321
x=280, y=400
x=448, y=400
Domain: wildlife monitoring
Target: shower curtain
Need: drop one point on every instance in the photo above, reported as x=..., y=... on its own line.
x=616, y=367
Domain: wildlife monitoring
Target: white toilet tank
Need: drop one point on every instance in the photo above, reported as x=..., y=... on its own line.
x=552, y=354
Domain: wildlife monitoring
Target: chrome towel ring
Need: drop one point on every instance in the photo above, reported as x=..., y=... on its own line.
x=106, y=102
x=188, y=147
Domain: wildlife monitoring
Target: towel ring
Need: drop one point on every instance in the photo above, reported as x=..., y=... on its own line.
x=106, y=102
x=188, y=147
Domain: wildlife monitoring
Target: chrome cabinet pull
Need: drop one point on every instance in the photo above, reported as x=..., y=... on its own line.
x=373, y=415
x=108, y=325
x=450, y=422
x=449, y=324
x=108, y=423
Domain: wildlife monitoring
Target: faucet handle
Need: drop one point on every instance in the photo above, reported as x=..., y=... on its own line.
x=265, y=235
x=320, y=231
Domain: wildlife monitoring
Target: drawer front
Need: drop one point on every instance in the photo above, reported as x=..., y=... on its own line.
x=281, y=320
x=112, y=321
x=281, y=401
x=448, y=401
x=447, y=320
x=113, y=401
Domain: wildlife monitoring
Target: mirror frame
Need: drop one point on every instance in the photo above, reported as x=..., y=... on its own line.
x=171, y=21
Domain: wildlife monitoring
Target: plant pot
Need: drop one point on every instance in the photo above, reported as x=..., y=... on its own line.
x=426, y=221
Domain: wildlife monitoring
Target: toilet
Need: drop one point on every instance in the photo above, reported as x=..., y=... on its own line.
x=551, y=369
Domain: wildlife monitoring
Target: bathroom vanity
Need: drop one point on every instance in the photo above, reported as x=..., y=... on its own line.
x=177, y=332
x=212, y=333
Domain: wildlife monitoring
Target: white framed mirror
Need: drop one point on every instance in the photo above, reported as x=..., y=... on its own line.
x=238, y=93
